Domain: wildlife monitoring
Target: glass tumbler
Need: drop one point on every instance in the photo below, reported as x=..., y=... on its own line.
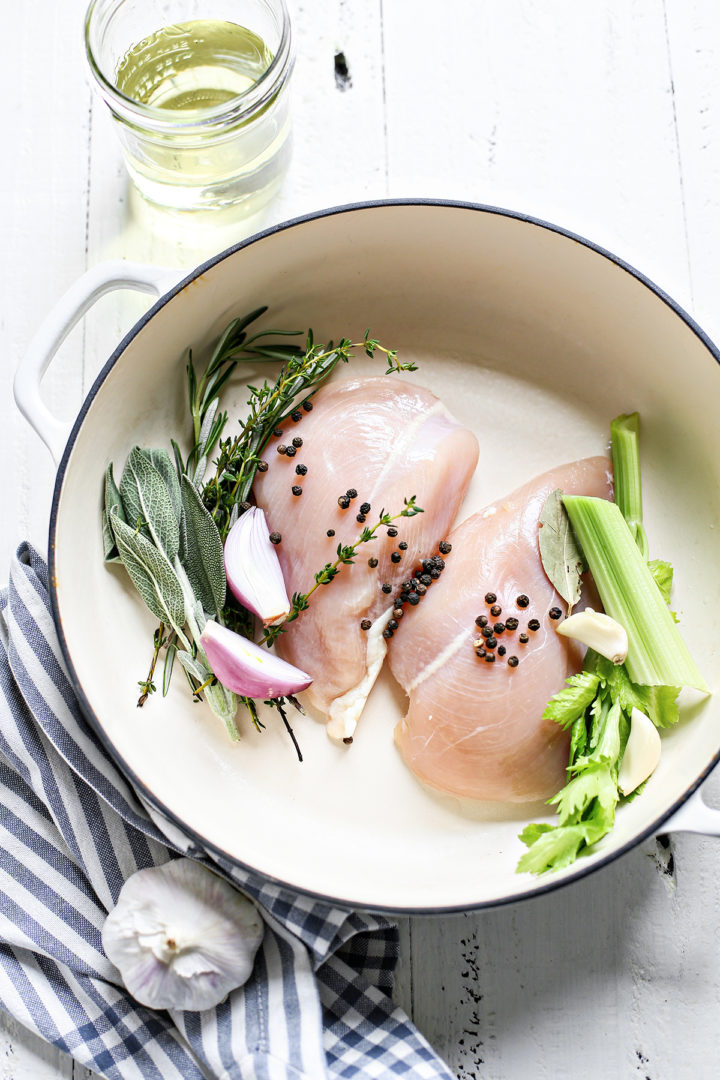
x=198, y=90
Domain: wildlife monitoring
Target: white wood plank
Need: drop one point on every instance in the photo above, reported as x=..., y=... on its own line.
x=25, y=1056
x=560, y=110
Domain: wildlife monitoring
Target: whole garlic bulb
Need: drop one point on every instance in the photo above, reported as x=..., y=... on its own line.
x=181, y=937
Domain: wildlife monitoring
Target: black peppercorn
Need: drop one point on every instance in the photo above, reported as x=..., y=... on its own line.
x=501, y=650
x=365, y=508
x=281, y=448
x=297, y=442
x=392, y=624
x=277, y=432
x=490, y=658
x=392, y=531
x=361, y=518
x=296, y=489
x=490, y=642
x=290, y=451
x=413, y=598
x=398, y=613
x=351, y=493
x=365, y=624
x=262, y=466
x=396, y=557
x=301, y=470
x=434, y=574
x=420, y=589
x=478, y=646
x=499, y=627
x=403, y=545
x=487, y=631
x=372, y=562
x=481, y=620
x=495, y=610
x=522, y=600
x=555, y=613
x=343, y=502
x=307, y=406
x=296, y=415
x=387, y=587
x=511, y=623
x=513, y=661
x=523, y=639
x=444, y=547
x=425, y=579
x=331, y=532
x=348, y=740
x=387, y=633
x=534, y=624
x=490, y=598
x=275, y=537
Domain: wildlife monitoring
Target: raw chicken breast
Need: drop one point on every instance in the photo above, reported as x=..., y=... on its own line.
x=475, y=728
x=389, y=440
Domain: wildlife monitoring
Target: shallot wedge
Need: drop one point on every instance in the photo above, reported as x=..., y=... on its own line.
x=475, y=728
x=388, y=440
x=246, y=668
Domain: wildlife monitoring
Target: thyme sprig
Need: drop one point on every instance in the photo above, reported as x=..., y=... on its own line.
x=147, y=686
x=270, y=404
x=345, y=557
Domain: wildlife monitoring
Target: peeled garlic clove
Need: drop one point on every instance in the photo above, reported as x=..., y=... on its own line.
x=642, y=752
x=181, y=937
x=246, y=668
x=599, y=632
x=253, y=570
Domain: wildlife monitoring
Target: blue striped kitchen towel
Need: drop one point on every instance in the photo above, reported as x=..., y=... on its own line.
x=72, y=830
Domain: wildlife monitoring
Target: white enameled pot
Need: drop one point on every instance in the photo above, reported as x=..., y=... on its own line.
x=534, y=338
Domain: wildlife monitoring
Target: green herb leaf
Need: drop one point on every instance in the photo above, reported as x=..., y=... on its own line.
x=203, y=551
x=562, y=558
x=112, y=500
x=161, y=460
x=571, y=702
x=151, y=573
x=146, y=501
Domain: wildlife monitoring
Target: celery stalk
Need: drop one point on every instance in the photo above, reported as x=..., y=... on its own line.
x=657, y=654
x=626, y=467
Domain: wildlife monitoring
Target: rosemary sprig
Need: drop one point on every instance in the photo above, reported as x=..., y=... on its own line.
x=300, y=377
x=204, y=390
x=345, y=556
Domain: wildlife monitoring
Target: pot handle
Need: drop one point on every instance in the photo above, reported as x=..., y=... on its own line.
x=694, y=816
x=80, y=297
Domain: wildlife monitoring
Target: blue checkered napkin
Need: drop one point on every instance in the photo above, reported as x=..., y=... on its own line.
x=72, y=830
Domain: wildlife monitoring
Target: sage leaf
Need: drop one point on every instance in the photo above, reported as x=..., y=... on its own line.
x=147, y=502
x=162, y=461
x=221, y=700
x=151, y=574
x=561, y=555
x=203, y=551
x=111, y=499
x=194, y=666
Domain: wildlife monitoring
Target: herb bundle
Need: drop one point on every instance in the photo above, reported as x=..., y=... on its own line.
x=166, y=522
x=596, y=705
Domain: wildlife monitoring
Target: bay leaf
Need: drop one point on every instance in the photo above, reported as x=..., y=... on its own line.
x=202, y=551
x=147, y=501
x=151, y=573
x=562, y=558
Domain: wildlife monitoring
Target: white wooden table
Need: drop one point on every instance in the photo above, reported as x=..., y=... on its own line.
x=603, y=117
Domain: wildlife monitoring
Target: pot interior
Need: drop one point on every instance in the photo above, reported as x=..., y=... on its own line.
x=531, y=338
